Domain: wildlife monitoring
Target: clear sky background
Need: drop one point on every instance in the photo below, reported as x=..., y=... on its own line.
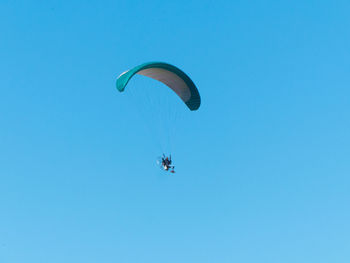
x=263, y=173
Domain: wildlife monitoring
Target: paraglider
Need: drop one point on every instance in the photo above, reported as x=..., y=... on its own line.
x=168, y=74
x=172, y=77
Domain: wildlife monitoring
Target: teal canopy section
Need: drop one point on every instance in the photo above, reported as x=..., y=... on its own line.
x=170, y=75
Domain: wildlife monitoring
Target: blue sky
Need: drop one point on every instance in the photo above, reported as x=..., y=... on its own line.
x=263, y=166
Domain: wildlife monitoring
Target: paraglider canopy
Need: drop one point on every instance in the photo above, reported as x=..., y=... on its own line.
x=168, y=74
